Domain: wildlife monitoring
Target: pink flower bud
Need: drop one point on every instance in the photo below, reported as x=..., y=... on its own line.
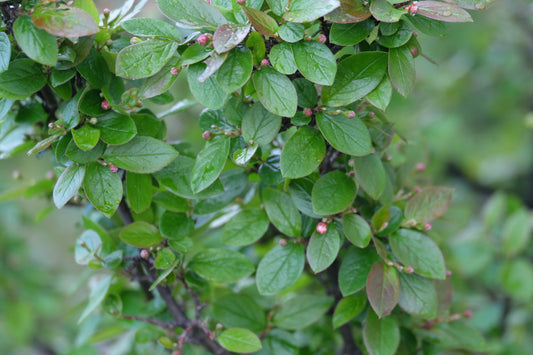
x=308, y=112
x=241, y=2
x=51, y=125
x=204, y=39
x=351, y=114
x=415, y=34
x=414, y=52
x=448, y=273
x=105, y=105
x=174, y=71
x=70, y=3
x=134, y=40
x=113, y=168
x=417, y=189
x=106, y=11
x=409, y=269
x=282, y=242
x=207, y=135
x=420, y=166
x=388, y=157
x=321, y=227
x=371, y=114
x=467, y=313
x=264, y=62
x=322, y=38
x=427, y=226
x=145, y=254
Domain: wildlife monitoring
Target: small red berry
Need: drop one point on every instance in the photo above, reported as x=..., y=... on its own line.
x=207, y=135
x=174, y=71
x=414, y=52
x=448, y=273
x=467, y=313
x=420, y=166
x=308, y=112
x=322, y=38
x=204, y=39
x=282, y=242
x=264, y=62
x=105, y=105
x=145, y=254
x=427, y=226
x=351, y=114
x=409, y=269
x=113, y=168
x=321, y=227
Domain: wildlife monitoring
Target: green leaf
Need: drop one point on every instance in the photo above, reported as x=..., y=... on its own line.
x=246, y=227
x=262, y=22
x=23, y=78
x=397, y=39
x=103, y=188
x=383, y=11
x=275, y=91
x=429, y=26
x=381, y=336
x=419, y=251
x=79, y=156
x=256, y=44
x=302, y=153
x=516, y=277
x=164, y=259
x=116, y=128
x=209, y=163
x=282, y=212
x=301, y=311
x=418, y=296
x=516, y=232
x=291, y=32
x=141, y=155
x=86, y=137
x=239, y=311
x=239, y=340
x=175, y=226
x=315, y=61
x=89, y=7
x=443, y=11
x=171, y=202
x=333, y=193
x=280, y=268
x=322, y=249
x=402, y=70
x=147, y=27
x=196, y=13
x=235, y=183
x=428, y=204
x=209, y=93
x=309, y=10
x=96, y=296
x=163, y=275
x=5, y=52
x=221, y=265
x=139, y=191
x=347, y=309
x=355, y=268
x=68, y=184
x=38, y=44
x=350, y=33
x=457, y=335
x=90, y=102
x=88, y=246
x=383, y=288
x=370, y=175
x=348, y=12
x=382, y=94
x=348, y=135
x=144, y=59
x=159, y=83
x=356, y=230
x=282, y=58
x=194, y=54
x=141, y=235
x=300, y=191
x=236, y=70
x=65, y=21
x=94, y=68
x=356, y=76
x=259, y=125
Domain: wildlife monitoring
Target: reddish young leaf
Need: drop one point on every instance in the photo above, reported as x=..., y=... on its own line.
x=349, y=12
x=65, y=22
x=262, y=22
x=383, y=288
x=429, y=204
x=443, y=12
x=228, y=36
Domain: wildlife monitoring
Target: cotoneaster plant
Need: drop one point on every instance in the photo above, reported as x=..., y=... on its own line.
x=298, y=227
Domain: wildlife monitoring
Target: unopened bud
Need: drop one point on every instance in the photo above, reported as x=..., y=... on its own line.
x=467, y=313
x=135, y=40
x=420, y=167
x=51, y=125
x=145, y=254
x=264, y=62
x=455, y=317
x=414, y=52
x=427, y=226
x=415, y=34
x=448, y=273
x=49, y=174
x=106, y=11
x=351, y=114
x=371, y=114
x=308, y=112
x=417, y=189
x=409, y=269
x=282, y=242
x=322, y=38
x=388, y=157
x=321, y=227
x=410, y=223
x=219, y=326
x=109, y=42
x=93, y=120
x=204, y=39
x=207, y=135
x=241, y=2
x=113, y=168
x=70, y=3
x=174, y=71
x=105, y=105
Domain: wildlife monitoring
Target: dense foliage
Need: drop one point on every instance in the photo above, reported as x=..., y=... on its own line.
x=297, y=221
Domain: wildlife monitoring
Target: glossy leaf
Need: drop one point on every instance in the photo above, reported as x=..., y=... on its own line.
x=38, y=44
x=139, y=191
x=209, y=93
x=302, y=153
x=68, y=184
x=196, y=13
x=144, y=59
x=103, y=188
x=382, y=94
x=147, y=27
x=239, y=340
x=282, y=58
x=347, y=309
x=419, y=251
x=86, y=137
x=97, y=295
x=275, y=91
x=322, y=249
x=381, y=336
x=291, y=32
x=402, y=70
x=309, y=10
x=65, y=22
x=383, y=288
x=245, y=228
x=94, y=69
x=23, y=78
x=221, y=265
x=300, y=191
x=356, y=76
x=355, y=268
x=418, y=296
x=282, y=212
x=370, y=175
x=236, y=70
x=301, y=311
x=239, y=311
x=315, y=61
x=209, y=163
x=443, y=11
x=350, y=33
x=175, y=226
x=280, y=268
x=383, y=11
x=348, y=135
x=141, y=155
x=116, y=128
x=5, y=52
x=333, y=193
x=349, y=12
x=516, y=232
x=262, y=22
x=140, y=235
x=428, y=204
x=356, y=230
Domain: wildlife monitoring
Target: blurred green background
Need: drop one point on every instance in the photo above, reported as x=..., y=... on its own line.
x=470, y=119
